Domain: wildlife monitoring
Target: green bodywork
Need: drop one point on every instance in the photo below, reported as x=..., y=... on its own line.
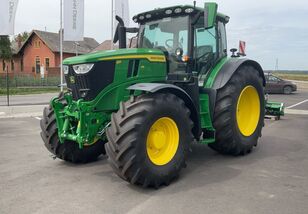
x=84, y=121
x=106, y=55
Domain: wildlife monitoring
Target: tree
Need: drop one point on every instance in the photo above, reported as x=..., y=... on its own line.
x=22, y=37
x=5, y=48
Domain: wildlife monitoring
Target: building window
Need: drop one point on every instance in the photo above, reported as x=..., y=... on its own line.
x=3, y=65
x=22, y=65
x=37, y=44
x=47, y=64
x=37, y=65
x=12, y=65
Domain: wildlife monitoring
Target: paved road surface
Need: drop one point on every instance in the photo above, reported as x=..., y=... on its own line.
x=292, y=99
x=35, y=99
x=272, y=179
x=45, y=98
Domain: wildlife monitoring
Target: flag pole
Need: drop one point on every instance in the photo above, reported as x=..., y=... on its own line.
x=111, y=41
x=61, y=44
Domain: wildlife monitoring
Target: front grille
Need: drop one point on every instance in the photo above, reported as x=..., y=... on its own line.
x=88, y=86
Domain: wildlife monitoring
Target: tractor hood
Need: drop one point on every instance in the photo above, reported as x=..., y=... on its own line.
x=135, y=53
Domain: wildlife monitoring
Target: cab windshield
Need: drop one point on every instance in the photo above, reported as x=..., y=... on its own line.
x=168, y=35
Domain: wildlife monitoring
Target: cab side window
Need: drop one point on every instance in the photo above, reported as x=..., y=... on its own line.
x=222, y=39
x=205, y=42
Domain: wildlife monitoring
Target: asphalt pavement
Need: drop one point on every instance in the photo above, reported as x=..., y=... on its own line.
x=272, y=179
x=33, y=99
x=296, y=100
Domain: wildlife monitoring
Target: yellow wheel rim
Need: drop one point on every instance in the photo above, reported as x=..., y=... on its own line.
x=162, y=141
x=248, y=111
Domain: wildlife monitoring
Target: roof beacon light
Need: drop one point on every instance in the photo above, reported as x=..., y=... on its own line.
x=168, y=12
x=178, y=10
x=189, y=10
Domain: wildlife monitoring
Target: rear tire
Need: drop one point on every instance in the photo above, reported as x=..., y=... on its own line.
x=230, y=137
x=128, y=137
x=69, y=150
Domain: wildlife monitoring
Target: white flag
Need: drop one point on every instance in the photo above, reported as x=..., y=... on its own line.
x=122, y=10
x=73, y=20
x=7, y=16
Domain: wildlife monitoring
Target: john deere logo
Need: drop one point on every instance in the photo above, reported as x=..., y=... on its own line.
x=72, y=79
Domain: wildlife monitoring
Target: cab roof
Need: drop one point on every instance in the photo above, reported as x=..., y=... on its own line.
x=178, y=10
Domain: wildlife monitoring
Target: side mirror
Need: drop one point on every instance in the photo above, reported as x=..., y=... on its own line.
x=120, y=34
x=210, y=13
x=116, y=35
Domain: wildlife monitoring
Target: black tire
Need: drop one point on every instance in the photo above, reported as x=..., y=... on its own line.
x=229, y=139
x=287, y=89
x=127, y=135
x=68, y=151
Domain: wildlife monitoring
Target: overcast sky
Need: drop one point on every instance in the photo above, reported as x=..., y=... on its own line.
x=273, y=29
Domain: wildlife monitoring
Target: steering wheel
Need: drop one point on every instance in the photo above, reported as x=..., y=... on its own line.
x=167, y=45
x=205, y=55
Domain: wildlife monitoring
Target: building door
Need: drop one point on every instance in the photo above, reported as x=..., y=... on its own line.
x=37, y=65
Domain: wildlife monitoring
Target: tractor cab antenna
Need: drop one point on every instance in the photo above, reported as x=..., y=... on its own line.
x=195, y=4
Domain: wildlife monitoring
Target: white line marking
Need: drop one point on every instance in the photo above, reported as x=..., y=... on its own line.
x=2, y=113
x=297, y=104
x=295, y=111
x=38, y=118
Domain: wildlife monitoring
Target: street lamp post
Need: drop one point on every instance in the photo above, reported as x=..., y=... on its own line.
x=7, y=86
x=61, y=44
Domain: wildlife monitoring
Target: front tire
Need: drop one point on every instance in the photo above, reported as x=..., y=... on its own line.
x=69, y=150
x=149, y=138
x=239, y=113
x=287, y=90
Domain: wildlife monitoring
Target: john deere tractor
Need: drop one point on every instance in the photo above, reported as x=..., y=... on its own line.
x=145, y=106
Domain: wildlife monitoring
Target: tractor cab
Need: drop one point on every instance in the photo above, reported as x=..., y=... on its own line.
x=191, y=39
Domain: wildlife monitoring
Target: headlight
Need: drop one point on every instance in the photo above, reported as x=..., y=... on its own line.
x=82, y=68
x=65, y=69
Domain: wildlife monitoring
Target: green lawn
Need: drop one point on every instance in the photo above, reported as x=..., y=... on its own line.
x=29, y=90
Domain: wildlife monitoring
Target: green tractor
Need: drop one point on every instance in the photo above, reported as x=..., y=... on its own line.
x=145, y=106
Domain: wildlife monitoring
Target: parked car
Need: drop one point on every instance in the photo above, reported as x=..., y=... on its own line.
x=277, y=85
